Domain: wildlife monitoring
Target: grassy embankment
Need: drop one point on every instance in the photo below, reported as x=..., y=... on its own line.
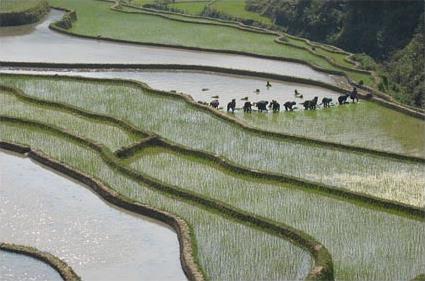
x=153, y=29
x=186, y=172
x=19, y=12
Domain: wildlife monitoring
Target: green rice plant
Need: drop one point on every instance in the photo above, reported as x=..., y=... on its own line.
x=154, y=29
x=188, y=125
x=226, y=250
x=366, y=244
x=111, y=135
x=365, y=124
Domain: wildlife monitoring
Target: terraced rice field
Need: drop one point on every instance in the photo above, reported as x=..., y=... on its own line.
x=328, y=219
x=123, y=26
x=218, y=239
x=265, y=196
x=283, y=203
x=377, y=176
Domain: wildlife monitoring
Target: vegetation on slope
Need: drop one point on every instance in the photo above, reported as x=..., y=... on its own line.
x=18, y=12
x=391, y=32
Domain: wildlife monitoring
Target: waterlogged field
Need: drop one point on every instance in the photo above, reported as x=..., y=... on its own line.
x=144, y=28
x=193, y=127
x=398, y=246
x=99, y=131
x=23, y=268
x=226, y=250
x=364, y=124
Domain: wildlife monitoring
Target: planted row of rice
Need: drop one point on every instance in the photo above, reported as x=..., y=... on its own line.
x=398, y=251
x=110, y=135
x=226, y=250
x=153, y=29
x=364, y=124
x=186, y=124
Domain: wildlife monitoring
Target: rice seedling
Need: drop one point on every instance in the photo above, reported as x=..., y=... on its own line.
x=226, y=250
x=190, y=126
x=99, y=131
x=365, y=124
x=154, y=29
x=366, y=244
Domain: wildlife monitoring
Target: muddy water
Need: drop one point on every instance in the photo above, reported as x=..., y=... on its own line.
x=15, y=267
x=52, y=213
x=44, y=45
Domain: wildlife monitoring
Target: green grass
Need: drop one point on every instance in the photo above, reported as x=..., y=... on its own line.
x=192, y=8
x=236, y=8
x=96, y=18
x=185, y=124
x=365, y=124
x=398, y=247
x=226, y=250
x=18, y=5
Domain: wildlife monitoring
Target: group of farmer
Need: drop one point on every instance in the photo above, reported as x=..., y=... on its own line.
x=289, y=105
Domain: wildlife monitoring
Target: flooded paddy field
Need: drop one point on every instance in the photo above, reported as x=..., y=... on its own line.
x=20, y=267
x=364, y=124
x=40, y=44
x=52, y=213
x=178, y=121
x=257, y=206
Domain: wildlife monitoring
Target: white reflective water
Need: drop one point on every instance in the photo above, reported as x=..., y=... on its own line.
x=17, y=267
x=40, y=44
x=52, y=213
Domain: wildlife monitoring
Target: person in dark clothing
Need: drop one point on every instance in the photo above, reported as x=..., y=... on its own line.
x=247, y=107
x=354, y=96
x=231, y=105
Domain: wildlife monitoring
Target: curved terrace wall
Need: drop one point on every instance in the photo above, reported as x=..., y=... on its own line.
x=154, y=139
x=323, y=269
x=66, y=272
x=26, y=15
x=382, y=96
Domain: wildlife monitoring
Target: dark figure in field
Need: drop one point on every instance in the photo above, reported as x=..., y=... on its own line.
x=289, y=105
x=268, y=85
x=298, y=95
x=247, y=107
x=310, y=104
x=231, y=105
x=215, y=103
x=275, y=106
x=343, y=99
x=354, y=95
x=262, y=105
x=326, y=102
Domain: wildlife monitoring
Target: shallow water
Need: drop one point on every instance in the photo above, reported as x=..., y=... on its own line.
x=45, y=45
x=17, y=267
x=52, y=213
x=365, y=124
x=204, y=86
